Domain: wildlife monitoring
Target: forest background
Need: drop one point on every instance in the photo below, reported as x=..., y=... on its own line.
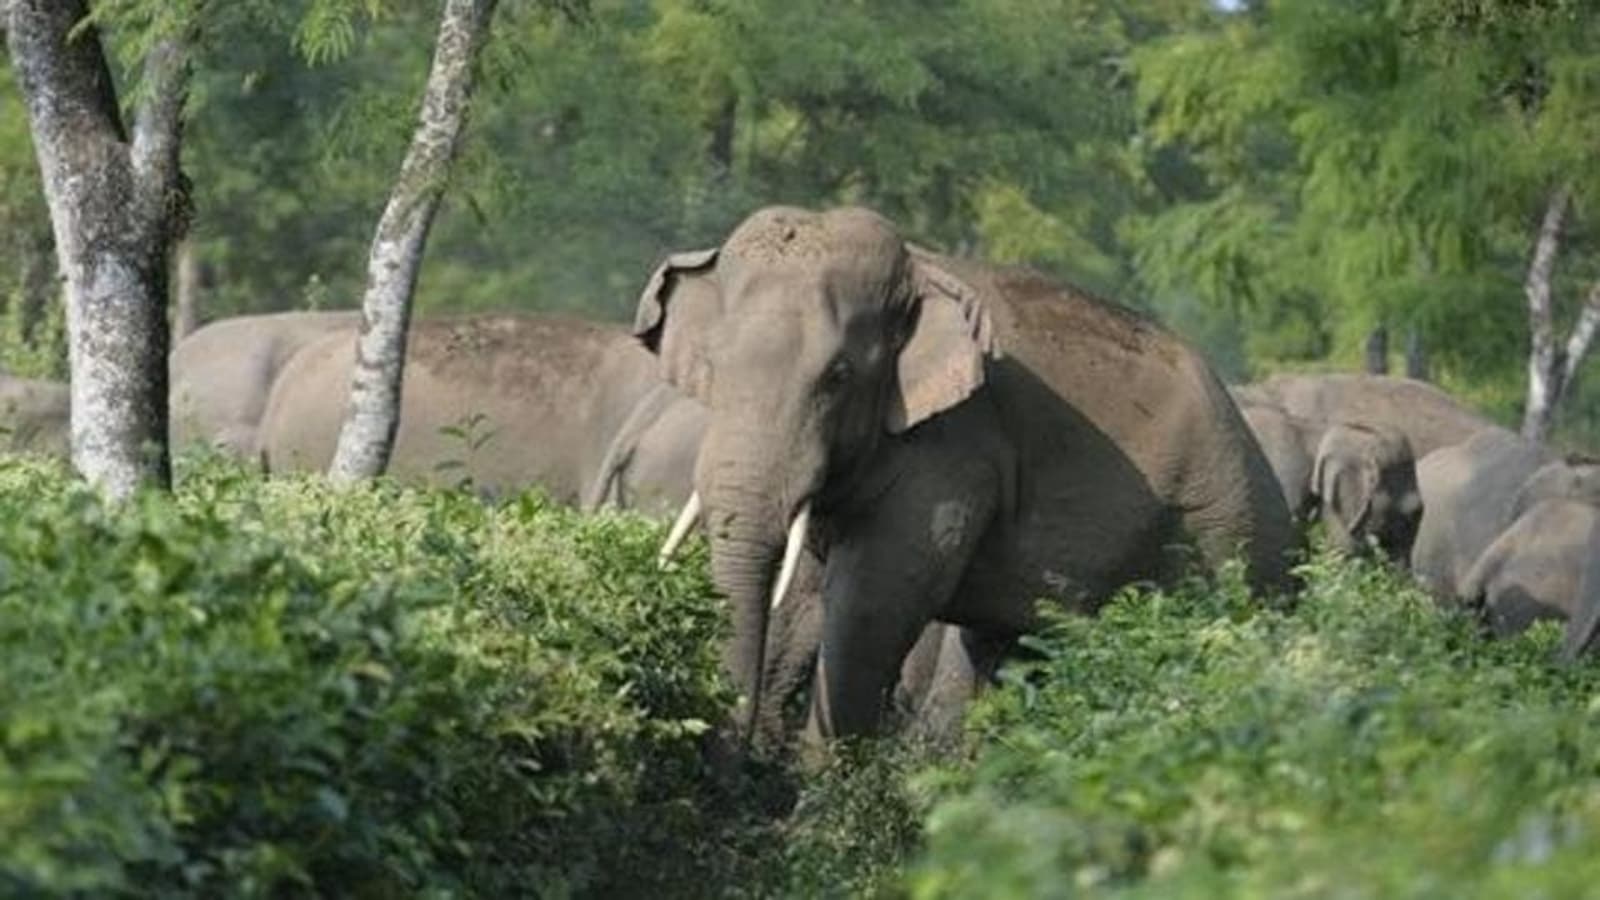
x=1279, y=181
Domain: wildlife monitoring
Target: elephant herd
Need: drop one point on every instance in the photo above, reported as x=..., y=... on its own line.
x=896, y=455
x=1489, y=522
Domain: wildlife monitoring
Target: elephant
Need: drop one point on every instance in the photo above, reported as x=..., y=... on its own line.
x=503, y=401
x=655, y=448
x=1365, y=482
x=1542, y=567
x=1573, y=478
x=222, y=373
x=1469, y=494
x=1427, y=416
x=649, y=462
x=960, y=440
x=1290, y=445
x=35, y=416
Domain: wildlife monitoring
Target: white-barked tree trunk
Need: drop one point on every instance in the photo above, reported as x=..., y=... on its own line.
x=1552, y=364
x=117, y=203
x=367, y=436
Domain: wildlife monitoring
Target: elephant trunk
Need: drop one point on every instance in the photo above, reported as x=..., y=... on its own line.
x=756, y=515
x=744, y=556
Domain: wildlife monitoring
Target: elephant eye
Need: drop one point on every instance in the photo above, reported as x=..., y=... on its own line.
x=837, y=375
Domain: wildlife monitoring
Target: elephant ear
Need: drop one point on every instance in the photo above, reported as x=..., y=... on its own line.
x=678, y=310
x=941, y=361
x=1345, y=487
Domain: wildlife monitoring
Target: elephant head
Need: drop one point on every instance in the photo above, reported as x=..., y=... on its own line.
x=1574, y=478
x=1366, y=482
x=809, y=337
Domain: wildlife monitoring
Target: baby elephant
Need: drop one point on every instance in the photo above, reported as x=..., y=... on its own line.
x=1546, y=565
x=1365, y=480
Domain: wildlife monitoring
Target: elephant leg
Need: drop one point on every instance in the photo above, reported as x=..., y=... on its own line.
x=967, y=660
x=890, y=572
x=918, y=671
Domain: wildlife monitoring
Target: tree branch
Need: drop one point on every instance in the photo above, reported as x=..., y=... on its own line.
x=1543, y=367
x=158, y=124
x=1582, y=336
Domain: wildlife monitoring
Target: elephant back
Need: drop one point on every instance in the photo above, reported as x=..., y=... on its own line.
x=223, y=373
x=506, y=401
x=1427, y=416
x=1090, y=386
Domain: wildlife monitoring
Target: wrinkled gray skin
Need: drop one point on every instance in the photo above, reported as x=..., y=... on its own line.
x=968, y=439
x=1541, y=567
x=651, y=458
x=1469, y=491
x=1365, y=481
x=509, y=401
x=1428, y=417
x=222, y=373
x=1290, y=445
x=34, y=416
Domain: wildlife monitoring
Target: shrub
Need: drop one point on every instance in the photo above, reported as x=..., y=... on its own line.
x=1181, y=744
x=271, y=687
x=261, y=688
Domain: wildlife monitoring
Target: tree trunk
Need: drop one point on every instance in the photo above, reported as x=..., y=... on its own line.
x=115, y=206
x=1377, y=350
x=1545, y=367
x=367, y=437
x=186, y=313
x=1416, y=356
x=1580, y=340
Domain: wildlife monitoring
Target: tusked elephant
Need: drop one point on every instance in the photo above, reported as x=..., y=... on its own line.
x=1427, y=416
x=505, y=401
x=1365, y=481
x=222, y=373
x=1542, y=567
x=960, y=440
x=1469, y=491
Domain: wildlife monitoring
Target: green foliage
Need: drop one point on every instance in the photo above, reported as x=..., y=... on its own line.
x=1274, y=181
x=1374, y=162
x=252, y=687
x=856, y=824
x=258, y=688
x=1188, y=744
x=606, y=138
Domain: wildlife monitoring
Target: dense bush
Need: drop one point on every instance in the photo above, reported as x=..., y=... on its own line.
x=1186, y=744
x=272, y=688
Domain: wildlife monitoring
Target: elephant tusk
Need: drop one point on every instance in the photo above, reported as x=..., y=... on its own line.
x=791, y=554
x=680, y=529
